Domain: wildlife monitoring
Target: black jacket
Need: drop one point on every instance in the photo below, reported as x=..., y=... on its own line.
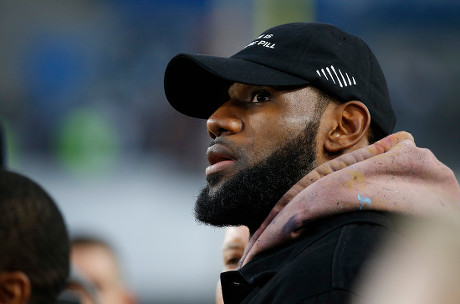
x=320, y=267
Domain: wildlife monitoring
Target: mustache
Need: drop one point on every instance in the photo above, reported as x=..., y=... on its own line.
x=219, y=141
x=224, y=142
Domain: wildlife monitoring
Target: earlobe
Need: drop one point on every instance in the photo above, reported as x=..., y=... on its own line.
x=352, y=120
x=14, y=288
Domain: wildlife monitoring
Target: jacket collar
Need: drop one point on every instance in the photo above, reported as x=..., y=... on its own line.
x=390, y=175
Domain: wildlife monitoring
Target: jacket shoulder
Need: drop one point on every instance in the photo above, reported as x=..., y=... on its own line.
x=326, y=262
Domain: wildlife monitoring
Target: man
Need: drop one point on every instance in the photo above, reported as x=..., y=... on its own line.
x=294, y=119
x=34, y=245
x=96, y=261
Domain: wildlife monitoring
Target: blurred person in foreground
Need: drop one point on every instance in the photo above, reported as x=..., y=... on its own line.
x=95, y=260
x=303, y=153
x=427, y=271
x=34, y=244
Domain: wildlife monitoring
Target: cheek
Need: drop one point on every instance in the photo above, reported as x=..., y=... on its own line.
x=267, y=134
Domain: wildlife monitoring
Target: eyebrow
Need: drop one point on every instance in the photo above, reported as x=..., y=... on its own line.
x=248, y=91
x=287, y=87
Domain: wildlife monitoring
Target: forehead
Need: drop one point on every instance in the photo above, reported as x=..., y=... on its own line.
x=236, y=87
x=89, y=255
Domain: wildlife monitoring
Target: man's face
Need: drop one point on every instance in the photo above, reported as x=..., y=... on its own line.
x=263, y=141
x=254, y=123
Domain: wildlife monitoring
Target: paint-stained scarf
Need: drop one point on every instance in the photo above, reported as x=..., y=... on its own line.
x=389, y=175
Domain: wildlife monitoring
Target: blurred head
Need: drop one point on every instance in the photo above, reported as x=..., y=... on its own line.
x=34, y=255
x=96, y=261
x=235, y=241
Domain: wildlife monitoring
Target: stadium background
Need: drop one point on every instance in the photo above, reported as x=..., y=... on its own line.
x=83, y=108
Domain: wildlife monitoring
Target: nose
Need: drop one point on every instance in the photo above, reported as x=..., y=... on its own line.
x=224, y=121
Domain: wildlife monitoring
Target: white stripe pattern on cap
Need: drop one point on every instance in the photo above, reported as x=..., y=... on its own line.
x=329, y=71
x=322, y=70
x=339, y=77
x=348, y=77
x=343, y=78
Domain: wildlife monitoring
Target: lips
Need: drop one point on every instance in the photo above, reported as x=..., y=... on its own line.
x=219, y=158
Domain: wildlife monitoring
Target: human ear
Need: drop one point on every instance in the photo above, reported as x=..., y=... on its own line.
x=352, y=120
x=14, y=288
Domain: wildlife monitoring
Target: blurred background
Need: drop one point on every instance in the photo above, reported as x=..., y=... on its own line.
x=84, y=112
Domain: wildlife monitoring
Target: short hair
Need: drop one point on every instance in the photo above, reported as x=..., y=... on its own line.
x=33, y=236
x=375, y=133
x=87, y=239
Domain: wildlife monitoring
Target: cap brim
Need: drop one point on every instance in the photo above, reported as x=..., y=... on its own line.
x=196, y=85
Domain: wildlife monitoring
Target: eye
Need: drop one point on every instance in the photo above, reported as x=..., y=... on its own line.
x=260, y=96
x=232, y=261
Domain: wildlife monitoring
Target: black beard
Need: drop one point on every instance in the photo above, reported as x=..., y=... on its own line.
x=248, y=197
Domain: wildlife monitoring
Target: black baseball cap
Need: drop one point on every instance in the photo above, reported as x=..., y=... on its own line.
x=289, y=55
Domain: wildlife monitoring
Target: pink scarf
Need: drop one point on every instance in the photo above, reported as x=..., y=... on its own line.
x=389, y=175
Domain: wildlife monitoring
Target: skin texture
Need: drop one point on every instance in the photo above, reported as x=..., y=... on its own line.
x=15, y=288
x=99, y=265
